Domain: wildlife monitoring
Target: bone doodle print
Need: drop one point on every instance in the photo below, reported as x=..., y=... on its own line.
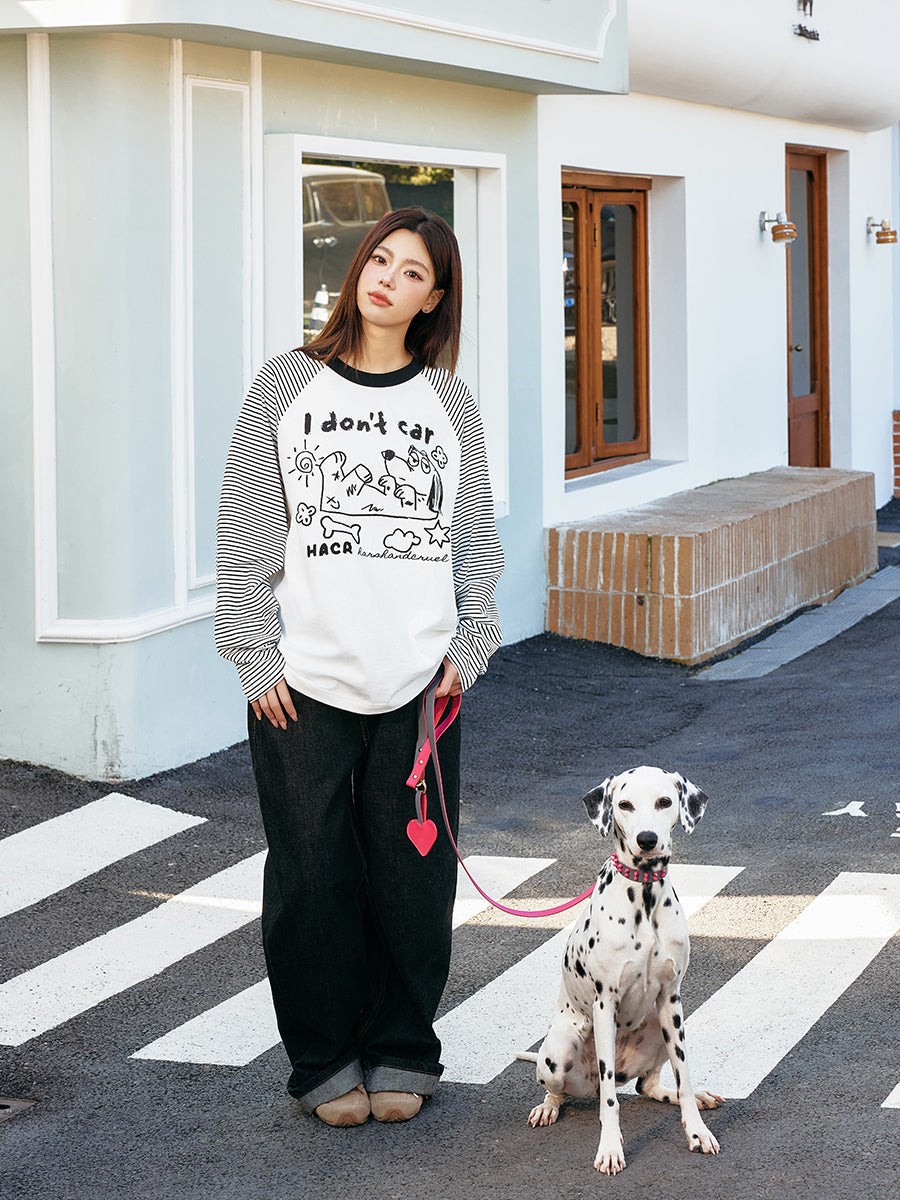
x=380, y=495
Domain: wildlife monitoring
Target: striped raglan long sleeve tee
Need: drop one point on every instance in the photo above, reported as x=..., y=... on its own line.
x=356, y=544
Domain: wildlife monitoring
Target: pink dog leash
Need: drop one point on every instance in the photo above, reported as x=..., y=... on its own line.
x=435, y=718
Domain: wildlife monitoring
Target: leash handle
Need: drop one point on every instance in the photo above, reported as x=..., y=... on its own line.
x=427, y=747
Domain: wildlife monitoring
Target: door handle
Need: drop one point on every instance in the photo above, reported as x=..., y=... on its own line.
x=797, y=348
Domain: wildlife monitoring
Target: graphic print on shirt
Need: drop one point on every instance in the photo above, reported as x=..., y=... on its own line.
x=375, y=501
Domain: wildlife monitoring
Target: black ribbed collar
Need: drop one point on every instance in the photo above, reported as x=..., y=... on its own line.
x=370, y=379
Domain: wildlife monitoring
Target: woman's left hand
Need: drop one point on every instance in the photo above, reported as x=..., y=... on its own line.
x=450, y=684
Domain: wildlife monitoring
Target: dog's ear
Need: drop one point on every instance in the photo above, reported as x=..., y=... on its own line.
x=598, y=803
x=692, y=802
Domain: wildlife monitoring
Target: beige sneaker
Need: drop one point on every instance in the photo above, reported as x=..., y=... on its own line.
x=395, y=1106
x=349, y=1109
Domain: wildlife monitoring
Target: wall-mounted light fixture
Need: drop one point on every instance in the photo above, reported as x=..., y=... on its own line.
x=783, y=230
x=884, y=235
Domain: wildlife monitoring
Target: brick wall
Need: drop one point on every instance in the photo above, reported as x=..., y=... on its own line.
x=687, y=577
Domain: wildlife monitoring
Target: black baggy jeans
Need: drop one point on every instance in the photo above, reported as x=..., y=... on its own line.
x=356, y=924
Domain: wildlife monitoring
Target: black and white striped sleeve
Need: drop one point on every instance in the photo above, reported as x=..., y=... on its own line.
x=251, y=532
x=477, y=553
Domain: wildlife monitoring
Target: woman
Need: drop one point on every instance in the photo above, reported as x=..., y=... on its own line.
x=357, y=555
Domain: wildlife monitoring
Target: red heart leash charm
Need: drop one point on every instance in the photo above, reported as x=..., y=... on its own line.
x=422, y=835
x=422, y=831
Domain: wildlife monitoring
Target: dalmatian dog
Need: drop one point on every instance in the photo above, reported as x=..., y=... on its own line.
x=619, y=1014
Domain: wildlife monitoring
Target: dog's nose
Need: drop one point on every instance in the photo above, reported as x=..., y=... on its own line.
x=647, y=839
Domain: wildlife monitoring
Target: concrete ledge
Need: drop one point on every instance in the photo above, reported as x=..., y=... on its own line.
x=687, y=577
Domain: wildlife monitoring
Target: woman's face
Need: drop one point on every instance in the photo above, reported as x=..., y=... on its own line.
x=397, y=281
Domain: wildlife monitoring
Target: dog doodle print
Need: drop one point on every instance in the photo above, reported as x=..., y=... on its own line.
x=368, y=485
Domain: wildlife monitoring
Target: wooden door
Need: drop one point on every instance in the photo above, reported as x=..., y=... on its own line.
x=807, y=314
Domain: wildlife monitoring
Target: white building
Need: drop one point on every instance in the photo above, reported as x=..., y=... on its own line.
x=152, y=252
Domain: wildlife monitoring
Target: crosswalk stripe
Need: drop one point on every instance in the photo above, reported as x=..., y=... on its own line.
x=743, y=1031
x=48, y=857
x=63, y=987
x=893, y=1100
x=241, y=1028
x=482, y=1036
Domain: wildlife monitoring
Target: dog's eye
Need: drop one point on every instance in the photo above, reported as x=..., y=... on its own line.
x=626, y=806
x=664, y=802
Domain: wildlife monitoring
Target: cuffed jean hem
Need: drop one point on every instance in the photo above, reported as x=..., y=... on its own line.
x=339, y=1084
x=395, y=1079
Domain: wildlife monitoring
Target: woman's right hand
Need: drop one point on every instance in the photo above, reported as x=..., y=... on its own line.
x=275, y=705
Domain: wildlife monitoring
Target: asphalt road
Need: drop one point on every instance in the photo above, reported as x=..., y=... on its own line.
x=551, y=719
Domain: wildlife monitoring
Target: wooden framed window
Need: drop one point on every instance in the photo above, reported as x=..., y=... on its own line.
x=604, y=221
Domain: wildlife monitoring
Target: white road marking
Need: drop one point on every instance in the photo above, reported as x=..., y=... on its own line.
x=53, y=855
x=742, y=1032
x=893, y=1100
x=853, y=809
x=63, y=987
x=482, y=1036
x=241, y=1028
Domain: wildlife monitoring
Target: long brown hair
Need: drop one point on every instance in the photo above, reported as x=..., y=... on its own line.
x=431, y=337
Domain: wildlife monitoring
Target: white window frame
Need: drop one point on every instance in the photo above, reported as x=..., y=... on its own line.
x=480, y=219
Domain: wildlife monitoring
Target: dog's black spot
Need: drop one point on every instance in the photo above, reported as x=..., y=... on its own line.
x=551, y=1065
x=681, y=1035
x=580, y=969
x=666, y=1100
x=610, y=1102
x=679, y=1053
x=622, y=1078
x=590, y=943
x=678, y=1080
x=676, y=1020
x=631, y=895
x=665, y=1036
x=566, y=960
x=667, y=903
x=676, y=999
x=600, y=1004
x=695, y=1137
x=586, y=924
x=637, y=919
x=637, y=945
x=621, y=920
x=568, y=1066
x=598, y=984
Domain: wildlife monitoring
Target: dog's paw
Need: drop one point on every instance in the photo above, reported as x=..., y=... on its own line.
x=702, y=1141
x=609, y=1160
x=708, y=1100
x=543, y=1114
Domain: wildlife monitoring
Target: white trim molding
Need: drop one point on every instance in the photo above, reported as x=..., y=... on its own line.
x=493, y=37
x=43, y=336
x=113, y=14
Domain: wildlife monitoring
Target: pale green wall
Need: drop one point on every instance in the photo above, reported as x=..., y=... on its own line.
x=128, y=709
